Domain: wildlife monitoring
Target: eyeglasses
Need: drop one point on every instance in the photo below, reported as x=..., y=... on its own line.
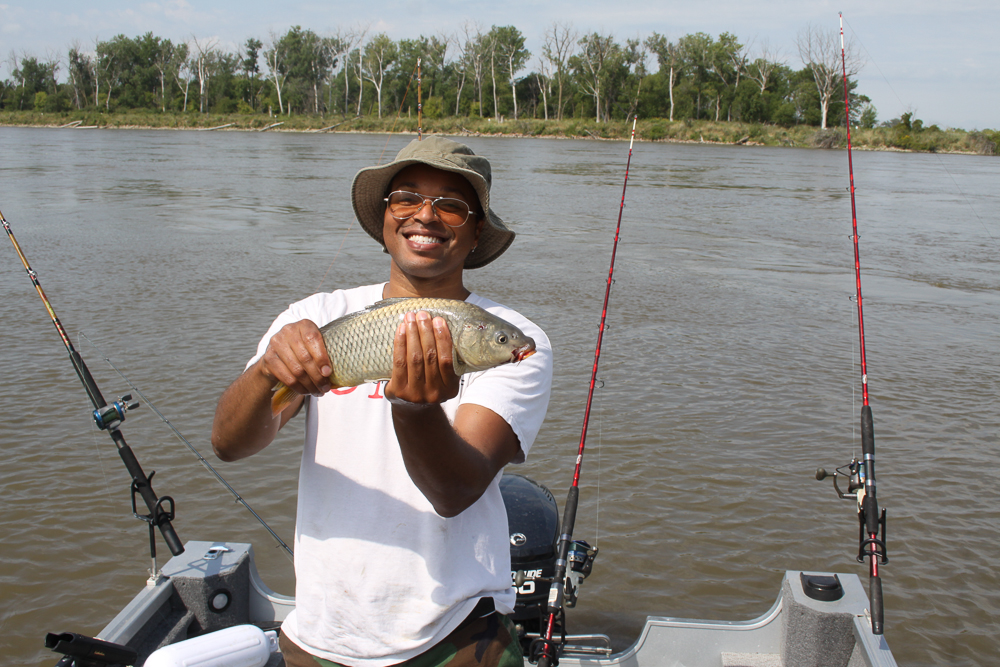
x=404, y=205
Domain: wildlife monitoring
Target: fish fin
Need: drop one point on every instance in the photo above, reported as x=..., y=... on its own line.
x=282, y=398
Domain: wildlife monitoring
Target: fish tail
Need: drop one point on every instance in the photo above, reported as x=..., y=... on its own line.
x=282, y=398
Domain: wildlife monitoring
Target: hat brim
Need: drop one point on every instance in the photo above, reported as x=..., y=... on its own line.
x=371, y=185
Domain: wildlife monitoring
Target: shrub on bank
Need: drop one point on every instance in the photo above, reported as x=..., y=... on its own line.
x=910, y=136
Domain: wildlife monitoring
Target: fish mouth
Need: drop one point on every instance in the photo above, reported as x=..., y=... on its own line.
x=523, y=352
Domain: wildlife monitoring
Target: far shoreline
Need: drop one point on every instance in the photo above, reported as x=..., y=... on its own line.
x=895, y=139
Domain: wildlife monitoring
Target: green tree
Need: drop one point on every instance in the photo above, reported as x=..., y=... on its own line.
x=80, y=75
x=378, y=59
x=696, y=50
x=671, y=61
x=31, y=76
x=589, y=66
x=250, y=67
x=869, y=117
x=509, y=56
x=727, y=59
x=305, y=66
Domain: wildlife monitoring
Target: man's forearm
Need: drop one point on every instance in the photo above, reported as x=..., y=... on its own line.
x=440, y=459
x=243, y=422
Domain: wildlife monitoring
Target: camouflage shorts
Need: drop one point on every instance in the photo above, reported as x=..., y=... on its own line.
x=490, y=641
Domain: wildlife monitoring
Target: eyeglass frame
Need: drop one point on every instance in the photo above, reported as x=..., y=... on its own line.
x=433, y=200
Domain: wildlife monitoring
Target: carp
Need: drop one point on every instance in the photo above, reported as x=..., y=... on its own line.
x=360, y=344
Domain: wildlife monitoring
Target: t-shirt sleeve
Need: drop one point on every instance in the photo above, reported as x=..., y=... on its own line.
x=518, y=392
x=320, y=308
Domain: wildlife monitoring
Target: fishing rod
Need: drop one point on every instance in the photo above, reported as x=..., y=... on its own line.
x=862, y=473
x=561, y=586
x=194, y=450
x=109, y=418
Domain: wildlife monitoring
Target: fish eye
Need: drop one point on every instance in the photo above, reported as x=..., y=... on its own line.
x=501, y=338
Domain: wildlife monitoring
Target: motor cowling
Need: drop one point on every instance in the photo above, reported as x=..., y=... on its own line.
x=533, y=519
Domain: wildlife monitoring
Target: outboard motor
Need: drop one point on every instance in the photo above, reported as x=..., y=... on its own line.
x=533, y=520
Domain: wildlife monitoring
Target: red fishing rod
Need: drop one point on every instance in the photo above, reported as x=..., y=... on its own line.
x=862, y=473
x=549, y=648
x=109, y=418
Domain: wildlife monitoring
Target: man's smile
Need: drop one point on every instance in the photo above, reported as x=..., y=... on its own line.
x=420, y=238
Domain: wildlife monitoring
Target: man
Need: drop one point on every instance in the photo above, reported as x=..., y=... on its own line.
x=401, y=539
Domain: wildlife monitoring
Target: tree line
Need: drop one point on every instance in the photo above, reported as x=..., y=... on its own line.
x=475, y=72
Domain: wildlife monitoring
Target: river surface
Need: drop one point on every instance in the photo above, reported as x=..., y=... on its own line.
x=730, y=369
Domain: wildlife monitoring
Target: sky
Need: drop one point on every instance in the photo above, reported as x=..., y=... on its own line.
x=937, y=60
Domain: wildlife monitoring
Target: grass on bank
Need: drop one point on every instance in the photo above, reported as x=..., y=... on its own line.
x=933, y=139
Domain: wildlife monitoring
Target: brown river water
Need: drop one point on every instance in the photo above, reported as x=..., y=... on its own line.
x=729, y=371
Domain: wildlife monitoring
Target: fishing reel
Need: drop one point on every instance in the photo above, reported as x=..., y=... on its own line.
x=111, y=416
x=856, y=474
x=581, y=561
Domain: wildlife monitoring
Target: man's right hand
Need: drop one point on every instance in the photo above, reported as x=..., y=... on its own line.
x=296, y=356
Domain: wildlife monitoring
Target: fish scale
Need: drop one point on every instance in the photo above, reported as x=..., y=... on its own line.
x=360, y=344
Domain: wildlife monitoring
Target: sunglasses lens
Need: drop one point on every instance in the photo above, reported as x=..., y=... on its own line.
x=452, y=212
x=404, y=204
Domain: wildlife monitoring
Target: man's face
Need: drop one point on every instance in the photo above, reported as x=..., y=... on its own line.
x=423, y=246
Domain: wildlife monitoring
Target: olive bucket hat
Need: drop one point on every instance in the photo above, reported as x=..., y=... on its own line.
x=371, y=186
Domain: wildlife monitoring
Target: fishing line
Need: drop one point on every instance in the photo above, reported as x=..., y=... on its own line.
x=180, y=436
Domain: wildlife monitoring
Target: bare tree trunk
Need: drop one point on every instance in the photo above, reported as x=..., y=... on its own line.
x=510, y=72
x=347, y=84
x=559, y=45
x=673, y=73
x=820, y=52
x=361, y=83
x=542, y=80
x=513, y=86
x=458, y=96
x=275, y=60
x=493, y=76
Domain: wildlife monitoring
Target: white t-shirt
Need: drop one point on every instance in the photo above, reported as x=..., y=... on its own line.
x=380, y=576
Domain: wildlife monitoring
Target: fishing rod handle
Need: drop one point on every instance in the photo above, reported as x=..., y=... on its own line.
x=867, y=435
x=142, y=484
x=875, y=600
x=556, y=588
x=565, y=539
x=870, y=503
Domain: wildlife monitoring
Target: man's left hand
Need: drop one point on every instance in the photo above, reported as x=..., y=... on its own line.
x=423, y=371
